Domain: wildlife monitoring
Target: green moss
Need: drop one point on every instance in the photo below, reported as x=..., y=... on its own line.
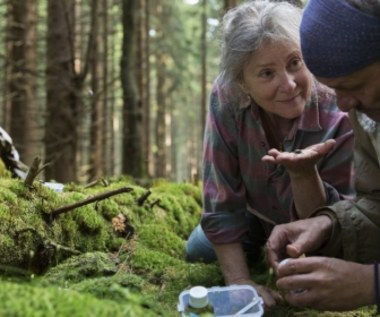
x=8, y=249
x=109, y=209
x=78, y=268
x=150, y=262
x=160, y=237
x=32, y=301
x=88, y=219
x=101, y=287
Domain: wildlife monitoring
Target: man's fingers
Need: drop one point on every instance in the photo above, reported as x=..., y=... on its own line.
x=293, y=251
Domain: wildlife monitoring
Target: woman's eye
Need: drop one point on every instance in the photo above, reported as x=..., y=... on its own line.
x=266, y=73
x=296, y=63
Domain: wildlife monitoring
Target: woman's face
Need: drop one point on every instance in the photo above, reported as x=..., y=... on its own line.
x=277, y=79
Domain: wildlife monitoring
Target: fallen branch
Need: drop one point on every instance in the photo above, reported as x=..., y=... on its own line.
x=90, y=200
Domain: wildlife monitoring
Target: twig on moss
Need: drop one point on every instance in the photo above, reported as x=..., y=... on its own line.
x=143, y=198
x=102, y=181
x=156, y=202
x=90, y=200
x=46, y=242
x=35, y=168
x=50, y=243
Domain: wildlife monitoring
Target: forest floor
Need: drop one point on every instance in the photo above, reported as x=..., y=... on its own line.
x=120, y=255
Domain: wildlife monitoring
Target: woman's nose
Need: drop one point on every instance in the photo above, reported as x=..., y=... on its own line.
x=288, y=82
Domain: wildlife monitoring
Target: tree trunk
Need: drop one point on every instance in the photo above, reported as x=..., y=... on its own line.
x=160, y=126
x=97, y=116
x=22, y=79
x=62, y=100
x=160, y=159
x=147, y=111
x=108, y=157
x=203, y=81
x=141, y=77
x=132, y=145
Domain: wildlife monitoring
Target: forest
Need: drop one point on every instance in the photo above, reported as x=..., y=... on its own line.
x=98, y=88
x=109, y=97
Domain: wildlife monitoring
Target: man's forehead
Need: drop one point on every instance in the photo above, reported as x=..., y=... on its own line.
x=340, y=83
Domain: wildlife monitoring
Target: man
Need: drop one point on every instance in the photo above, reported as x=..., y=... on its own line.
x=340, y=43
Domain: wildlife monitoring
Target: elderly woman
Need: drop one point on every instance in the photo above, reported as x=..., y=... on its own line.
x=265, y=107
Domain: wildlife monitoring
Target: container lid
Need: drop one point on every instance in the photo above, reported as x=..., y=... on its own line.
x=198, y=297
x=228, y=301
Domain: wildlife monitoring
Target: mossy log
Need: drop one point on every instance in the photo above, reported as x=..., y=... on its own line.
x=40, y=226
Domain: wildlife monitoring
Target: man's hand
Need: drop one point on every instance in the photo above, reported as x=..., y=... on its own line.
x=326, y=283
x=296, y=238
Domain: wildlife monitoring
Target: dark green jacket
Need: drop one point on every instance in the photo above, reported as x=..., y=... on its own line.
x=356, y=234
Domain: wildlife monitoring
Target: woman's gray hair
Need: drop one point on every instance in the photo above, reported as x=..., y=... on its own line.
x=369, y=6
x=246, y=27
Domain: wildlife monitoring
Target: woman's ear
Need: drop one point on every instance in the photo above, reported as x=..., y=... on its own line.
x=243, y=88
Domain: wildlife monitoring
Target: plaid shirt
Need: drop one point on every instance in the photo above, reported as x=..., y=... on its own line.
x=234, y=175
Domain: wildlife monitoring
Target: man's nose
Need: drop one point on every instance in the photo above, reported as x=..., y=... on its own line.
x=345, y=101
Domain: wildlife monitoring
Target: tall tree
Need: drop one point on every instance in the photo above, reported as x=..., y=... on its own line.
x=69, y=53
x=22, y=79
x=147, y=98
x=142, y=74
x=161, y=95
x=62, y=107
x=108, y=153
x=132, y=126
x=97, y=116
x=204, y=74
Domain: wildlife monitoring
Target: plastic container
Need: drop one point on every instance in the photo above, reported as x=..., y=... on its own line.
x=58, y=187
x=198, y=302
x=228, y=301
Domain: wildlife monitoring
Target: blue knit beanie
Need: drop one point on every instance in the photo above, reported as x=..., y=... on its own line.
x=337, y=39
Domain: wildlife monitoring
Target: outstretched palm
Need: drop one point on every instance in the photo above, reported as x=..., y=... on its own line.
x=300, y=161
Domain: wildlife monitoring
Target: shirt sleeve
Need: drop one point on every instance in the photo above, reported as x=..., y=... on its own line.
x=337, y=171
x=356, y=232
x=337, y=167
x=223, y=218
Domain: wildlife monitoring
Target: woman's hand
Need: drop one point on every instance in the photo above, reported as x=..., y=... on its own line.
x=269, y=296
x=327, y=283
x=307, y=185
x=300, y=162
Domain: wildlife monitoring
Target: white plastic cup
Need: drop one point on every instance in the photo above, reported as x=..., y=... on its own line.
x=198, y=297
x=297, y=291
